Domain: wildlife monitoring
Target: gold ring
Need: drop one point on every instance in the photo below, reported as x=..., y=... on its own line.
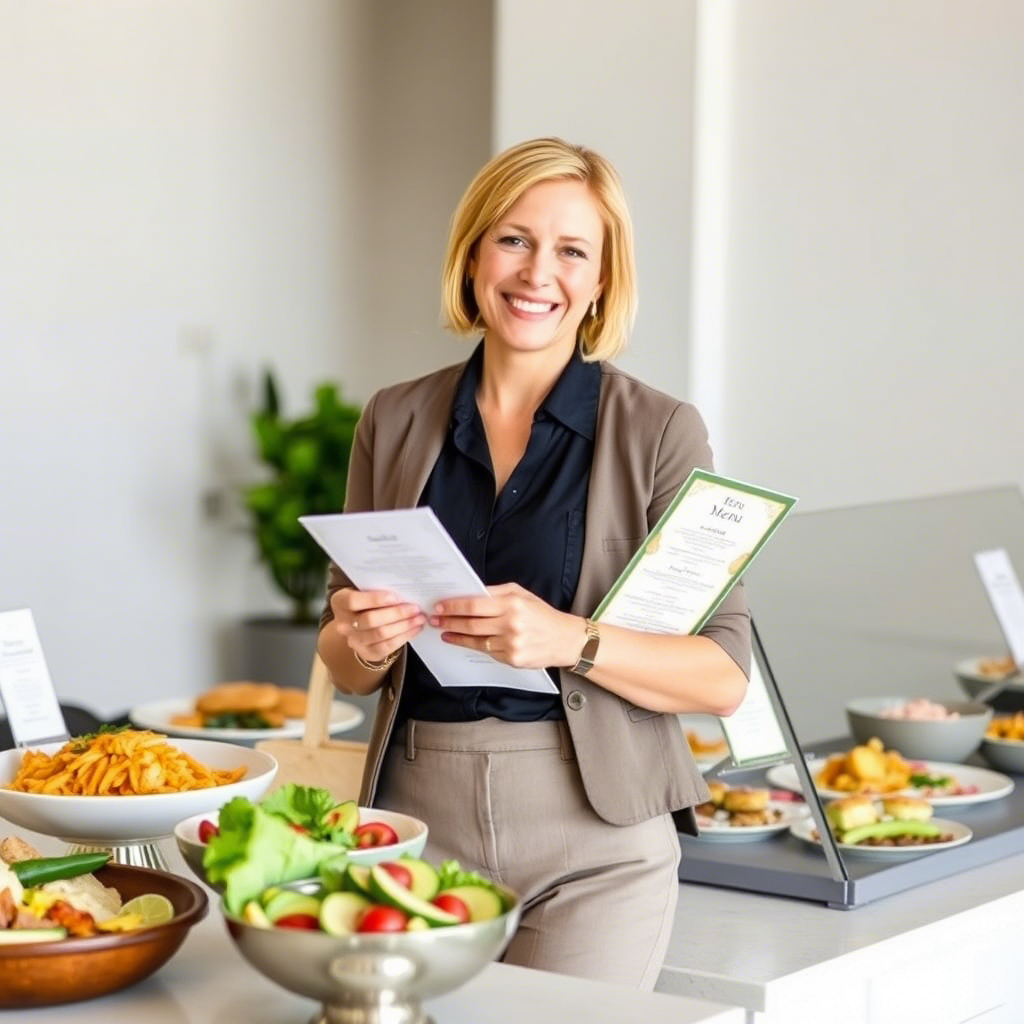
x=487, y=644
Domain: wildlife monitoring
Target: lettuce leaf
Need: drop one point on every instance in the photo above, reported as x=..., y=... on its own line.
x=256, y=849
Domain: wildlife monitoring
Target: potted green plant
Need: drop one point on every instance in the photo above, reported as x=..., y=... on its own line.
x=307, y=470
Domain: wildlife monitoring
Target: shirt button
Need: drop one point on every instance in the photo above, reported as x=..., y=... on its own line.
x=480, y=534
x=575, y=700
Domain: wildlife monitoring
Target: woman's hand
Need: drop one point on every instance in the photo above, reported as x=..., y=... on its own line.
x=512, y=626
x=374, y=623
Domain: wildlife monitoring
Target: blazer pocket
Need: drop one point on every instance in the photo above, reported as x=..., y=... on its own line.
x=640, y=714
x=616, y=545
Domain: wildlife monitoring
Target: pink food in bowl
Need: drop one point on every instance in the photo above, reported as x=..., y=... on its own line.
x=919, y=710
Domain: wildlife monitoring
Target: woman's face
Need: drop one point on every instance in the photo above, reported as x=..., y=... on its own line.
x=537, y=270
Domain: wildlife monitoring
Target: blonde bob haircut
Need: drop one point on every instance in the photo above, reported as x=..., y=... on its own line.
x=496, y=188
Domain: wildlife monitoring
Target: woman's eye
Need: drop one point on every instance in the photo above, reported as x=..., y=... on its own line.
x=512, y=240
x=576, y=254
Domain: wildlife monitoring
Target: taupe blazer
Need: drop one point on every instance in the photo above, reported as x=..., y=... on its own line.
x=635, y=763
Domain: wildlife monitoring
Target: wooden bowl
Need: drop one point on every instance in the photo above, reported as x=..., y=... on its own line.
x=70, y=970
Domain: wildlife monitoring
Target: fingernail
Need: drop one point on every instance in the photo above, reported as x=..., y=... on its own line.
x=434, y=620
x=439, y=608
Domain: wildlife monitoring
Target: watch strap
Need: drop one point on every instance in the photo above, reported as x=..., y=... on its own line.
x=589, y=653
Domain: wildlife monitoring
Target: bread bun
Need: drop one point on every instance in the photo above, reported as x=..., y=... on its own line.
x=240, y=697
x=718, y=790
x=907, y=808
x=742, y=799
x=851, y=811
x=292, y=702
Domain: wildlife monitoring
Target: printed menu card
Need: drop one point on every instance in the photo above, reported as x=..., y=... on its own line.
x=696, y=552
x=26, y=689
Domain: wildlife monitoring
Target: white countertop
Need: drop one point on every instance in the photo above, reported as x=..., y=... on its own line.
x=740, y=947
x=208, y=982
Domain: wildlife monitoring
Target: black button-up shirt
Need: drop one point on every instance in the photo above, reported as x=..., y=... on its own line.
x=531, y=533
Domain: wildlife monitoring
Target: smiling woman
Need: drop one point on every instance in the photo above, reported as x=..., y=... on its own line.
x=547, y=466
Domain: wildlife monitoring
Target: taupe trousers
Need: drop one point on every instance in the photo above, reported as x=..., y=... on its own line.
x=506, y=799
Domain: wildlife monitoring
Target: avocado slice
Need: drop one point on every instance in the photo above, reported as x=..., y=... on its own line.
x=288, y=901
x=12, y=936
x=425, y=880
x=341, y=817
x=340, y=912
x=385, y=889
x=357, y=879
x=482, y=904
x=889, y=828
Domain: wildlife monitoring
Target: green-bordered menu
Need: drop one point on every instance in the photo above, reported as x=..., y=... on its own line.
x=699, y=548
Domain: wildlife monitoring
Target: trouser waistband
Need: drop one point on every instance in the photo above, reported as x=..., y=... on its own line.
x=489, y=735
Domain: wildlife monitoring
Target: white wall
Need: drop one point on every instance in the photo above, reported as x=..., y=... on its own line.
x=618, y=78
x=189, y=193
x=874, y=246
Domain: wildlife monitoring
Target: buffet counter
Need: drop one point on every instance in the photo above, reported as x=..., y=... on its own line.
x=946, y=952
x=208, y=982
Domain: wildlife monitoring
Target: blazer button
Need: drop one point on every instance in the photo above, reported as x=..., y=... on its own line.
x=575, y=700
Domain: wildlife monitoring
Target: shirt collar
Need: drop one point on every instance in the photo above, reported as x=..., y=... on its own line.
x=572, y=401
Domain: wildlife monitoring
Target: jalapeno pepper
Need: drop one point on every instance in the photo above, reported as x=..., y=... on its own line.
x=41, y=870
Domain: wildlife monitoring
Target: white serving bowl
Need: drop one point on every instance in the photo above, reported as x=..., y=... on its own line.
x=123, y=820
x=976, y=675
x=412, y=838
x=941, y=739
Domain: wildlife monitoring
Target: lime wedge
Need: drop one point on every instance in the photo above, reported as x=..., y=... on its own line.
x=151, y=907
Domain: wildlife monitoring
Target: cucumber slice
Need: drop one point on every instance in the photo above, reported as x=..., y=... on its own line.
x=385, y=889
x=357, y=879
x=340, y=912
x=482, y=904
x=16, y=936
x=425, y=881
x=290, y=902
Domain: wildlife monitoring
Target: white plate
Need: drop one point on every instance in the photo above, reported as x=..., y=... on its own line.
x=412, y=838
x=722, y=832
x=157, y=715
x=119, y=820
x=806, y=830
x=987, y=785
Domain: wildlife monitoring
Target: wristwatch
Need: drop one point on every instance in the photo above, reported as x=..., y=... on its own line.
x=589, y=652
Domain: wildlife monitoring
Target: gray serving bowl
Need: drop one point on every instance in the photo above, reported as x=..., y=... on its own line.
x=1007, y=755
x=371, y=978
x=974, y=675
x=932, y=740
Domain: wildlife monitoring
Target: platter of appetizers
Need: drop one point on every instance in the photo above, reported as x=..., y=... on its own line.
x=744, y=814
x=870, y=769
x=893, y=827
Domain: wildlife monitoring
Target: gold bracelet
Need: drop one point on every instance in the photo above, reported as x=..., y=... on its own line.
x=377, y=666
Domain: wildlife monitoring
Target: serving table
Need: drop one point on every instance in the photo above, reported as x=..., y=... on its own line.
x=208, y=982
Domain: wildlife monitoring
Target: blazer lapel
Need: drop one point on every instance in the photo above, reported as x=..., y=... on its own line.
x=424, y=429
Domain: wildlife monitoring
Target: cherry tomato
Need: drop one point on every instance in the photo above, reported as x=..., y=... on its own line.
x=207, y=830
x=308, y=922
x=382, y=919
x=375, y=833
x=453, y=905
x=400, y=873
x=296, y=827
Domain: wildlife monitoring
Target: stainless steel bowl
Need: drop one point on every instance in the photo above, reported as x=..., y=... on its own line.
x=372, y=978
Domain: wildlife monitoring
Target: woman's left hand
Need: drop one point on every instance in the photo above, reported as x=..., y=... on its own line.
x=512, y=626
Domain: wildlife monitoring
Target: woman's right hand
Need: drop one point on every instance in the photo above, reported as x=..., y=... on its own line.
x=374, y=623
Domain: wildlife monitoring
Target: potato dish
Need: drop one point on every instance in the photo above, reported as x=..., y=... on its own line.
x=1009, y=727
x=868, y=768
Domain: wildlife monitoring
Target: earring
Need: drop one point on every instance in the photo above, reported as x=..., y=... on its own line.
x=593, y=308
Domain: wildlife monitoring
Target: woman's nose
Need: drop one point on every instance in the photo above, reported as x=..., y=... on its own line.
x=537, y=269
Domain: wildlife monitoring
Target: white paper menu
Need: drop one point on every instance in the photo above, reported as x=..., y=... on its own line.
x=1004, y=591
x=409, y=552
x=26, y=689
